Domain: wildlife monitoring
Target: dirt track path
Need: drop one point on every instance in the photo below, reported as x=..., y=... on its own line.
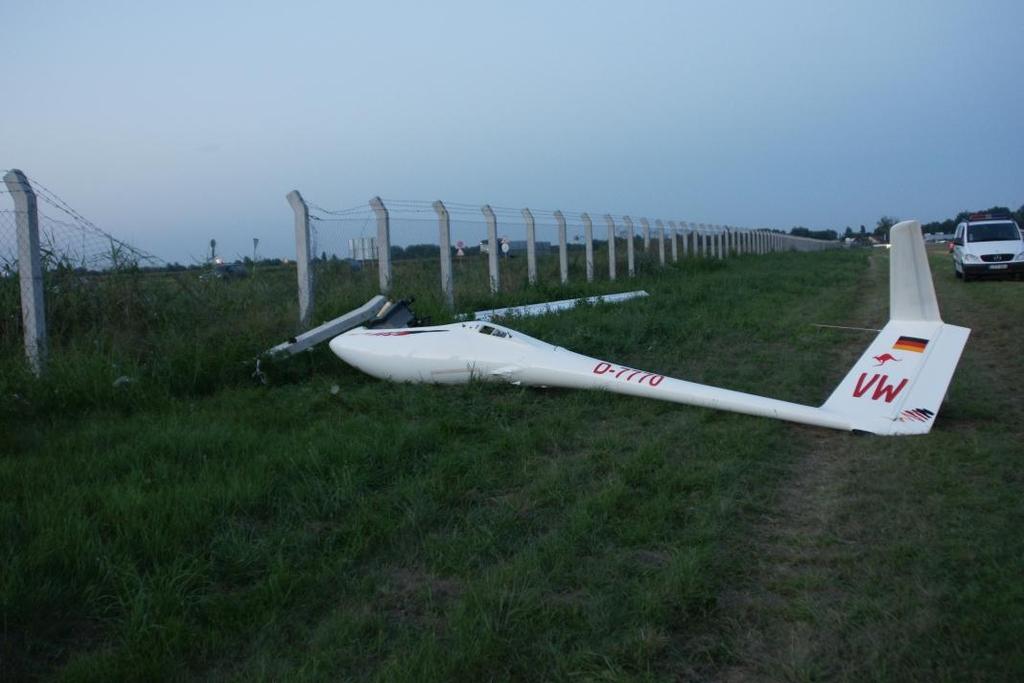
x=785, y=620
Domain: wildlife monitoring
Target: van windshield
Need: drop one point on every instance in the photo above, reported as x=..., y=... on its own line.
x=992, y=232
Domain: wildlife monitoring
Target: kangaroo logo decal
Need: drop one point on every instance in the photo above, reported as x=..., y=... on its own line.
x=885, y=358
x=880, y=385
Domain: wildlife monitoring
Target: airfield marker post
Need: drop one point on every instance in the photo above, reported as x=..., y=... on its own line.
x=383, y=243
x=661, y=241
x=611, y=246
x=588, y=239
x=30, y=269
x=303, y=267
x=675, y=240
x=646, y=231
x=444, y=233
x=630, y=256
x=563, y=251
x=531, y=246
x=492, y=247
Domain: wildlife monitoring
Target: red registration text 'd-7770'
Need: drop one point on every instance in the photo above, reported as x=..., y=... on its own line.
x=628, y=374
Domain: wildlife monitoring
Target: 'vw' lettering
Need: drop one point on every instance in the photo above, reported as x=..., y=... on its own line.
x=881, y=388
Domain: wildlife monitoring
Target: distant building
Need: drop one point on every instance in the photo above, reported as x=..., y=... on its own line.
x=363, y=248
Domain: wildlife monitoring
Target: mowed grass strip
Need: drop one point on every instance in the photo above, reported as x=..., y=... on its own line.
x=414, y=532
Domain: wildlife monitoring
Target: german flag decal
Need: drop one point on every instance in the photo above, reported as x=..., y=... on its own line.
x=910, y=344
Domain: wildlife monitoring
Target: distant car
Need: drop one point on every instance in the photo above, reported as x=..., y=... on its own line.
x=225, y=271
x=988, y=244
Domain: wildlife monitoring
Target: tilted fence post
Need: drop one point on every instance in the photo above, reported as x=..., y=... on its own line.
x=563, y=248
x=611, y=246
x=661, y=240
x=645, y=228
x=302, y=258
x=630, y=256
x=492, y=247
x=588, y=241
x=30, y=269
x=675, y=239
x=531, y=247
x=383, y=243
x=444, y=235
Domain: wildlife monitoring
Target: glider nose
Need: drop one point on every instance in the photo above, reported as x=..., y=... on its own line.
x=343, y=347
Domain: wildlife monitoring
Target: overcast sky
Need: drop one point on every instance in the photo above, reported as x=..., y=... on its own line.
x=170, y=123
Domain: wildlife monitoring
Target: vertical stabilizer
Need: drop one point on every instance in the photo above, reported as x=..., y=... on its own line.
x=911, y=291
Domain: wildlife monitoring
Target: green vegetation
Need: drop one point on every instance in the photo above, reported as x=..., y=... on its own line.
x=191, y=523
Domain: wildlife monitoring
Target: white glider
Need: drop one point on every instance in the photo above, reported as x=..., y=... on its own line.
x=896, y=387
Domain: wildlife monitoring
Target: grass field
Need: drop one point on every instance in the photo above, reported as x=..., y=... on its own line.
x=191, y=524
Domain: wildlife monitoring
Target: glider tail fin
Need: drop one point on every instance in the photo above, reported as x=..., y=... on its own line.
x=897, y=386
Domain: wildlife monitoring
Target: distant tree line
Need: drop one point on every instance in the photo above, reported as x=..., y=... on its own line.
x=947, y=226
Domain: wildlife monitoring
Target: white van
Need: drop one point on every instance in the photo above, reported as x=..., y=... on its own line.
x=988, y=244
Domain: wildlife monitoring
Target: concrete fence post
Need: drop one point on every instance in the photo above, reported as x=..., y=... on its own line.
x=531, y=247
x=720, y=242
x=444, y=234
x=686, y=237
x=645, y=229
x=563, y=249
x=660, y=227
x=492, y=247
x=30, y=269
x=588, y=240
x=675, y=239
x=302, y=258
x=611, y=245
x=630, y=248
x=383, y=244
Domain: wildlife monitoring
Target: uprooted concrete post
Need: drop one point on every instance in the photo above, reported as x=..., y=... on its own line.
x=492, y=247
x=588, y=241
x=383, y=243
x=30, y=269
x=444, y=236
x=610, y=222
x=302, y=258
x=531, y=247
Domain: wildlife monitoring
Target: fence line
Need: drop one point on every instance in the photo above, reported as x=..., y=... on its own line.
x=698, y=240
